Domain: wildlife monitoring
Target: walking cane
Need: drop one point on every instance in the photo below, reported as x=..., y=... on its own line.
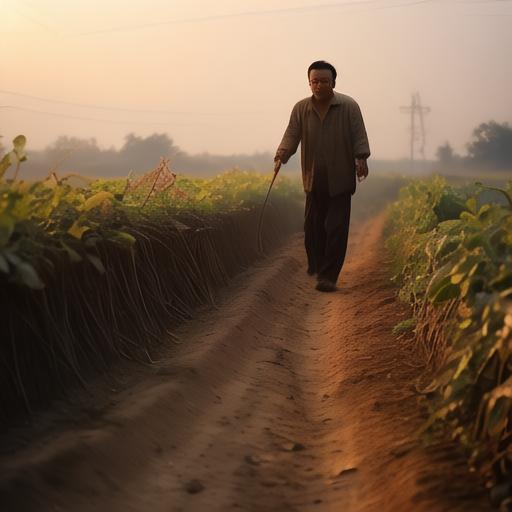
x=260, y=241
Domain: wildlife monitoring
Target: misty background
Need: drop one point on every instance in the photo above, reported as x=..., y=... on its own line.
x=105, y=88
x=489, y=152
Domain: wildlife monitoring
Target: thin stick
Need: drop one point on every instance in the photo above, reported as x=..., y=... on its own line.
x=260, y=241
x=153, y=187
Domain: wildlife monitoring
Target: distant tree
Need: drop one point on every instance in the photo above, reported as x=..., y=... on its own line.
x=138, y=154
x=491, y=145
x=82, y=148
x=72, y=154
x=144, y=153
x=2, y=147
x=446, y=155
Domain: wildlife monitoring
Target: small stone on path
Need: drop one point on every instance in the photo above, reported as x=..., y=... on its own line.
x=194, y=486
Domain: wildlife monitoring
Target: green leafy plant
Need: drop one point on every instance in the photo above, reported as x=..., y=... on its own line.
x=457, y=274
x=15, y=156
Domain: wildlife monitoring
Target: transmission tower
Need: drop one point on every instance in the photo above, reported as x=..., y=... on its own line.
x=415, y=109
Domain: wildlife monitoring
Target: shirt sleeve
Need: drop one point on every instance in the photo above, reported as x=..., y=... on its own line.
x=291, y=137
x=361, y=147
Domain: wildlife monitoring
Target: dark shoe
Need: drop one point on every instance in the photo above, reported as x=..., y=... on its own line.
x=325, y=285
x=311, y=272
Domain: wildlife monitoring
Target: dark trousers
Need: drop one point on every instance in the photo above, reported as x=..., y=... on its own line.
x=326, y=225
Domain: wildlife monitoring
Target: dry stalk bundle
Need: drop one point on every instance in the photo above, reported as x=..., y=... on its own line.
x=155, y=181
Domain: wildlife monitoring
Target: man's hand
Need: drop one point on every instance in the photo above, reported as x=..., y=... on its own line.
x=278, y=159
x=361, y=169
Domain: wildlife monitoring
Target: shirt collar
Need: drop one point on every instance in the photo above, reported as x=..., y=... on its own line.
x=335, y=100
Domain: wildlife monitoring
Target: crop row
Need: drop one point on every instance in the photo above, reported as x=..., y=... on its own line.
x=52, y=216
x=453, y=253
x=99, y=272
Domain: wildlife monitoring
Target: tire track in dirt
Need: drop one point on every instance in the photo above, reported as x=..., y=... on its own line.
x=280, y=399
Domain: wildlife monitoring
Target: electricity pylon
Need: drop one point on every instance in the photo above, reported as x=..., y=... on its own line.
x=417, y=133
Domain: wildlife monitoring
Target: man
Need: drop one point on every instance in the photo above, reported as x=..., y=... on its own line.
x=334, y=149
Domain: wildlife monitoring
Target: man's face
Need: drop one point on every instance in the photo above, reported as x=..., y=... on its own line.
x=321, y=84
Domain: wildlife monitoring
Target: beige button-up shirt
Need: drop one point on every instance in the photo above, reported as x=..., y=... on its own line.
x=340, y=138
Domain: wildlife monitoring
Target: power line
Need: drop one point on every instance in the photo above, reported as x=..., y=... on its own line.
x=31, y=19
x=217, y=17
x=88, y=105
x=244, y=14
x=104, y=107
x=283, y=10
x=80, y=118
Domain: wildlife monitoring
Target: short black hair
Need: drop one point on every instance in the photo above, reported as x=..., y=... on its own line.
x=322, y=64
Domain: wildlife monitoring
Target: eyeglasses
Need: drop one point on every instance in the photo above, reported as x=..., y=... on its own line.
x=321, y=81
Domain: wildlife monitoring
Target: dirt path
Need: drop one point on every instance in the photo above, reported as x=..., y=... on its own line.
x=281, y=399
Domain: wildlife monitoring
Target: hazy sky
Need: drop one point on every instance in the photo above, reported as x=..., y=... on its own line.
x=222, y=76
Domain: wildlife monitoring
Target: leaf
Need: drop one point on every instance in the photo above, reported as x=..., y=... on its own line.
x=497, y=418
x=485, y=329
x=474, y=241
x=446, y=292
x=6, y=229
x=73, y=255
x=447, y=247
x=464, y=288
x=457, y=278
x=465, y=324
x=462, y=364
x=122, y=237
x=506, y=293
x=96, y=262
x=443, y=377
x=471, y=204
x=482, y=213
x=28, y=275
x=91, y=239
x=19, y=143
x=96, y=200
x=11, y=257
x=5, y=163
x=404, y=326
x=473, y=269
x=440, y=414
x=439, y=279
x=438, y=246
x=438, y=282
x=77, y=229
x=4, y=266
x=467, y=217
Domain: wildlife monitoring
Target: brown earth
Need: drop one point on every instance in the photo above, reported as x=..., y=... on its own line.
x=280, y=399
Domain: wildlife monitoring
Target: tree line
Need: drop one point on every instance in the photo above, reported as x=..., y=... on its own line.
x=137, y=154
x=490, y=148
